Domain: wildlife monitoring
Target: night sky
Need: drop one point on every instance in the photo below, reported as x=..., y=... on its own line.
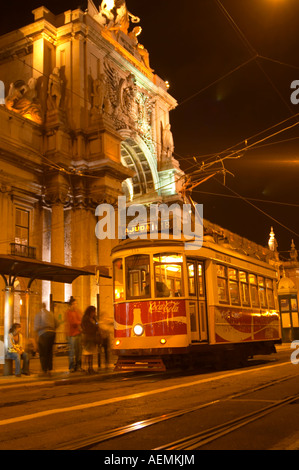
x=192, y=45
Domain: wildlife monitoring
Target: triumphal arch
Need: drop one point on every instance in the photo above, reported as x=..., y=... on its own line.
x=85, y=120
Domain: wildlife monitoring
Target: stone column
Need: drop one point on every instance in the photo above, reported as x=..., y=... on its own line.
x=57, y=246
x=8, y=321
x=57, y=190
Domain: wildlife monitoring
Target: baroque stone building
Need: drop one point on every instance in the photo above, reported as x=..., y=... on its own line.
x=85, y=120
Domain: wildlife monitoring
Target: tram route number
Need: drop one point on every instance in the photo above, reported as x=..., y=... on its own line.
x=224, y=258
x=178, y=460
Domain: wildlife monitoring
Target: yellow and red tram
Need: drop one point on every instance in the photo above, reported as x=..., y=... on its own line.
x=175, y=306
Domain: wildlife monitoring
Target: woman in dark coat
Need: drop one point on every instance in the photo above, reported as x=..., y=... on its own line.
x=90, y=337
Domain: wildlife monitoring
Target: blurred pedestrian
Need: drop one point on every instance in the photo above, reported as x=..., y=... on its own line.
x=73, y=319
x=16, y=351
x=105, y=344
x=90, y=337
x=45, y=325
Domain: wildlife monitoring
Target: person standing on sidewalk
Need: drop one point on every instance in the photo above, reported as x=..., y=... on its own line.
x=90, y=337
x=45, y=325
x=73, y=319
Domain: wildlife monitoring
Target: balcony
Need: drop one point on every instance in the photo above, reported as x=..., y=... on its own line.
x=24, y=251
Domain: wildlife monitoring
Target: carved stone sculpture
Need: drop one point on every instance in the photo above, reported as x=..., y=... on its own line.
x=114, y=15
x=122, y=98
x=139, y=47
x=22, y=99
x=168, y=143
x=55, y=90
x=99, y=93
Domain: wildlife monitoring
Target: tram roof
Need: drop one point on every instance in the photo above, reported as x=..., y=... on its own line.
x=131, y=244
x=15, y=266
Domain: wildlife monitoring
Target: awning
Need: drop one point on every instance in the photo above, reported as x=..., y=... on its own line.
x=14, y=266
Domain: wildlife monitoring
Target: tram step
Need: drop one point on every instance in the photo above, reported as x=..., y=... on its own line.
x=140, y=364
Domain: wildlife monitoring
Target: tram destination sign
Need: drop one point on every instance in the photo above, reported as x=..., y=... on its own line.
x=154, y=221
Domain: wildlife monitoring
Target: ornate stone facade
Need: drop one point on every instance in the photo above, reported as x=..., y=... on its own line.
x=84, y=121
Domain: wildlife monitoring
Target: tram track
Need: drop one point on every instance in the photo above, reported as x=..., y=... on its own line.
x=193, y=441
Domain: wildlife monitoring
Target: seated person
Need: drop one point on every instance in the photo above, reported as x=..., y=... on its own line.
x=16, y=351
x=162, y=290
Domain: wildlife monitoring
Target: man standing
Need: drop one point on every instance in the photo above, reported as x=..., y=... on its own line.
x=73, y=318
x=45, y=325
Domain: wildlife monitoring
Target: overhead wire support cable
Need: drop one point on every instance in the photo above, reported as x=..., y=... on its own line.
x=260, y=210
x=251, y=50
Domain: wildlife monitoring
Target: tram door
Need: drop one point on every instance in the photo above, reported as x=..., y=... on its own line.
x=197, y=300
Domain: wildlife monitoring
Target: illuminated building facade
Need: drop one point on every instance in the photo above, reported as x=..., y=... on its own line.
x=85, y=120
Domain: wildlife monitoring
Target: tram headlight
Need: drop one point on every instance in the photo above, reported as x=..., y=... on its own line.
x=138, y=330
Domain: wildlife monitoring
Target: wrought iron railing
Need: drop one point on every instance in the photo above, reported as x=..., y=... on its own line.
x=25, y=251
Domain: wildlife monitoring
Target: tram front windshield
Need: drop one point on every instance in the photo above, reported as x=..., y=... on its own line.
x=135, y=279
x=168, y=275
x=138, y=277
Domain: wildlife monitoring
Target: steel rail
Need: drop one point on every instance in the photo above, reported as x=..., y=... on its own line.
x=85, y=444
x=88, y=443
x=200, y=439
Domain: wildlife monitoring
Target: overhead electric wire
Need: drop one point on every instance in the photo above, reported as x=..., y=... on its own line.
x=216, y=81
x=258, y=209
x=251, y=50
x=266, y=201
x=247, y=147
x=277, y=142
x=279, y=62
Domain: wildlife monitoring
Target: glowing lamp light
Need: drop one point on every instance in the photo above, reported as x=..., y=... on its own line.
x=163, y=341
x=109, y=5
x=138, y=330
x=117, y=342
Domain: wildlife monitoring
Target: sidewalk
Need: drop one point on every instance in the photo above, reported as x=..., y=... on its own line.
x=59, y=376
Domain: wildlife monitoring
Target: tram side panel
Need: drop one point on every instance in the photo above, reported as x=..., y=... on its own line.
x=236, y=324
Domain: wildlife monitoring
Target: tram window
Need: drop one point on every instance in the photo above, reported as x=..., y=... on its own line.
x=262, y=291
x=137, y=274
x=118, y=280
x=243, y=276
x=168, y=275
x=270, y=293
x=254, y=290
x=233, y=286
x=200, y=280
x=191, y=279
x=222, y=284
